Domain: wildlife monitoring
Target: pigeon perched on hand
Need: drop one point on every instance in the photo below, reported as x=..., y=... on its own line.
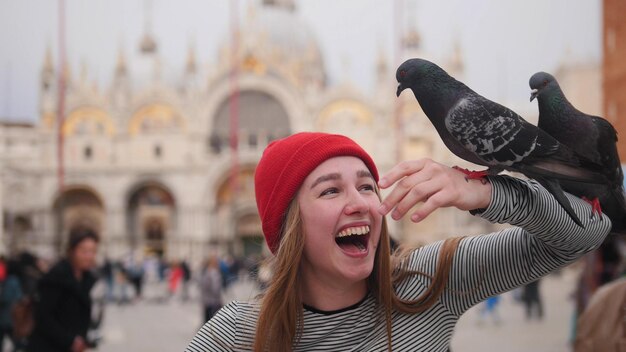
x=590, y=136
x=489, y=134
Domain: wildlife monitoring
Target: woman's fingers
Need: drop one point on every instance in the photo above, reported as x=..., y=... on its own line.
x=438, y=200
x=421, y=193
x=403, y=169
x=412, y=185
x=434, y=185
x=405, y=176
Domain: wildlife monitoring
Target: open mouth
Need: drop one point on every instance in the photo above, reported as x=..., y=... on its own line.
x=353, y=240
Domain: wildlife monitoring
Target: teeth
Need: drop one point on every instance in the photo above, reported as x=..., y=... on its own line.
x=360, y=246
x=357, y=230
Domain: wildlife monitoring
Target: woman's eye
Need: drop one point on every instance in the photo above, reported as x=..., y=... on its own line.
x=329, y=191
x=367, y=187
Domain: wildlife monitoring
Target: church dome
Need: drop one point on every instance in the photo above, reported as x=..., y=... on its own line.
x=274, y=38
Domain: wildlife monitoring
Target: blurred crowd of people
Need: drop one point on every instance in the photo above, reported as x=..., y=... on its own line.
x=46, y=306
x=132, y=278
x=18, y=283
x=153, y=278
x=59, y=306
x=599, y=315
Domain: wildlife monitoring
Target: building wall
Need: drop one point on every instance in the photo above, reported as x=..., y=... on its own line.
x=614, y=68
x=107, y=155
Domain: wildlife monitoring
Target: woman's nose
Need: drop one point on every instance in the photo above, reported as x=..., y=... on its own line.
x=356, y=203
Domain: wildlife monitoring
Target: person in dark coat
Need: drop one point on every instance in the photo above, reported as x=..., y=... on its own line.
x=10, y=293
x=63, y=304
x=532, y=300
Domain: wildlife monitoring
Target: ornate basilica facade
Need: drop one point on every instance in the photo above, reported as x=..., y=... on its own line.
x=148, y=161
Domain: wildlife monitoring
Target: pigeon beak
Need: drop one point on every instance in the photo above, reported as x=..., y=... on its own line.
x=533, y=94
x=400, y=89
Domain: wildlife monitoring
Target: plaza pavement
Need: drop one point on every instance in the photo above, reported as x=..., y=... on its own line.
x=151, y=326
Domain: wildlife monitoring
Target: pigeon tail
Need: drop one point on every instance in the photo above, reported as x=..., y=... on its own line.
x=615, y=208
x=555, y=189
x=560, y=171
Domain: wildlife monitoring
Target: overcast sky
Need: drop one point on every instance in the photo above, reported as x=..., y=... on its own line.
x=502, y=42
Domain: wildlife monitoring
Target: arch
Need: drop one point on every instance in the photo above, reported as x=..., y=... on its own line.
x=344, y=111
x=77, y=206
x=260, y=116
x=244, y=184
x=19, y=227
x=349, y=117
x=277, y=88
x=237, y=217
x=249, y=234
x=85, y=190
x=22, y=223
x=88, y=120
x=156, y=118
x=151, y=216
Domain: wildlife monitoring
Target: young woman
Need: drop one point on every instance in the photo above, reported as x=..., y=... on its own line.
x=63, y=306
x=335, y=285
x=211, y=288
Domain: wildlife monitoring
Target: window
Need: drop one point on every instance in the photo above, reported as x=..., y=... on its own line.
x=252, y=140
x=157, y=151
x=87, y=152
x=215, y=143
x=610, y=40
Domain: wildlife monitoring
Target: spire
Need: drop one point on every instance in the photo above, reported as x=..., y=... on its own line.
x=120, y=66
x=191, y=66
x=382, y=66
x=47, y=71
x=456, y=63
x=289, y=5
x=48, y=65
x=67, y=74
x=83, y=72
x=120, y=86
x=411, y=39
x=147, y=45
x=346, y=65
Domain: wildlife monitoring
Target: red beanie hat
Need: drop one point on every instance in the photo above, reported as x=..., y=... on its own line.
x=284, y=166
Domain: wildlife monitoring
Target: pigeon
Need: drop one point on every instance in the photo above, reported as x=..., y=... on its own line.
x=591, y=136
x=486, y=133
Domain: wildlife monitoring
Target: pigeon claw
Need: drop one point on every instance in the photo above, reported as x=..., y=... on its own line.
x=595, y=206
x=473, y=175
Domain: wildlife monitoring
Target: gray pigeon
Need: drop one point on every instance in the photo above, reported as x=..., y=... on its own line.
x=489, y=134
x=591, y=136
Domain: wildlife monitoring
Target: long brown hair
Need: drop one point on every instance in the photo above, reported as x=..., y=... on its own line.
x=280, y=320
x=280, y=317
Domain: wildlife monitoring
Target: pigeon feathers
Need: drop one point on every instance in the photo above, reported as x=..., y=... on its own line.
x=591, y=136
x=486, y=133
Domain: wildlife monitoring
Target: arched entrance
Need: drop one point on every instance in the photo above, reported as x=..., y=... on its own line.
x=261, y=118
x=18, y=228
x=249, y=234
x=77, y=206
x=237, y=212
x=151, y=214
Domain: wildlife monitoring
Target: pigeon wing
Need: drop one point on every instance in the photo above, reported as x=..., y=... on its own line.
x=494, y=133
x=607, y=149
x=500, y=137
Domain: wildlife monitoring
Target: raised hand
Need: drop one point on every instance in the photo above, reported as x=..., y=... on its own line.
x=433, y=184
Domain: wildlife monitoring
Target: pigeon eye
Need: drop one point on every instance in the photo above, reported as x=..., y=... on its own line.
x=402, y=74
x=545, y=83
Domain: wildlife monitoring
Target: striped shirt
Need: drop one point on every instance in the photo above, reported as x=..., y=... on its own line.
x=544, y=238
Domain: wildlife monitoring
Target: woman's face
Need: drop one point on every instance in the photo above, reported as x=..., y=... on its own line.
x=83, y=256
x=338, y=204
